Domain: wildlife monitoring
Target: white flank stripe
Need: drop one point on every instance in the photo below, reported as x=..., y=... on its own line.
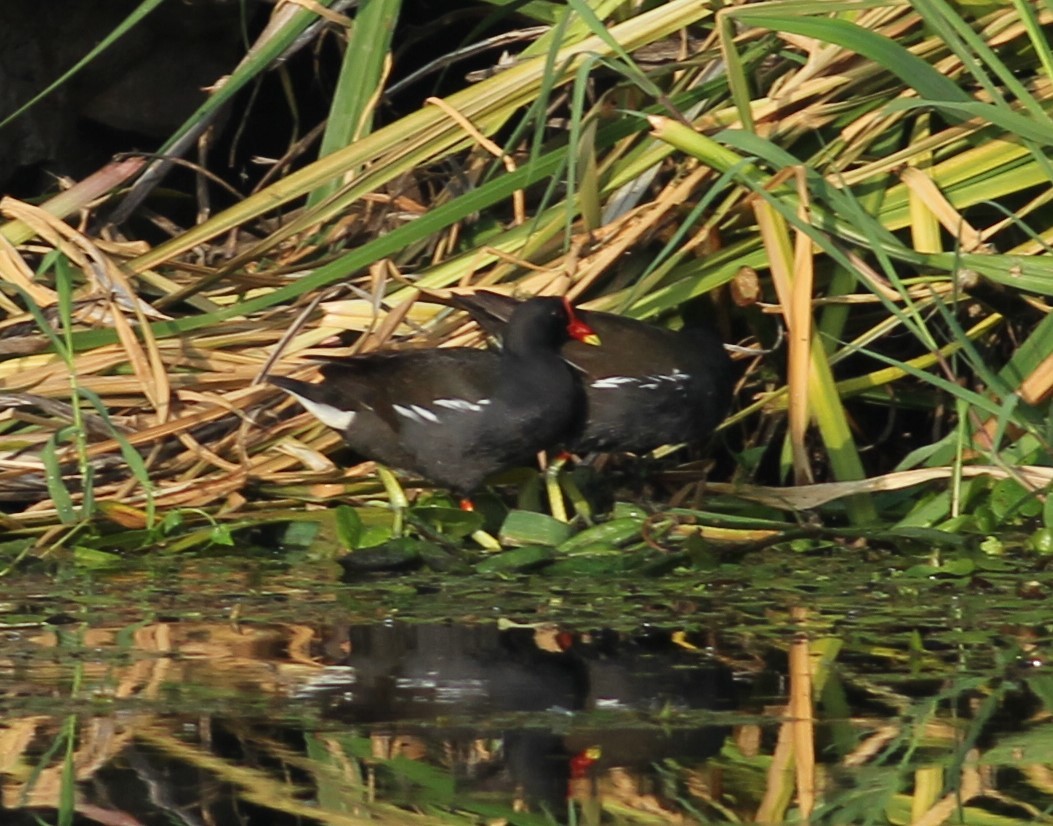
x=416, y=413
x=462, y=404
x=678, y=376
x=424, y=413
x=407, y=412
x=612, y=382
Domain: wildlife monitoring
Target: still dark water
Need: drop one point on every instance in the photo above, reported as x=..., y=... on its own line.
x=212, y=692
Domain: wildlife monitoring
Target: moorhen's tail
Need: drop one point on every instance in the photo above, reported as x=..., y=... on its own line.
x=489, y=310
x=316, y=399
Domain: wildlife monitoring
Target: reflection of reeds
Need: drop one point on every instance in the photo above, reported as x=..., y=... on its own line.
x=266, y=660
x=922, y=767
x=793, y=767
x=97, y=740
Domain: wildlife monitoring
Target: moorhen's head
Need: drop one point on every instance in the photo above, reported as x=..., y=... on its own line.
x=545, y=324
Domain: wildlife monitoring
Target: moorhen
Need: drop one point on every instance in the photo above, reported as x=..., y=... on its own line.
x=645, y=386
x=457, y=415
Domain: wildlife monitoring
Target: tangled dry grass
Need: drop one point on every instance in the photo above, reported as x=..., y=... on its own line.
x=862, y=175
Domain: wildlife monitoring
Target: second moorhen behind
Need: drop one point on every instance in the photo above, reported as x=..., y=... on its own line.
x=457, y=415
x=645, y=386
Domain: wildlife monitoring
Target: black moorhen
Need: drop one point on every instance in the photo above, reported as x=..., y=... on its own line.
x=645, y=386
x=457, y=415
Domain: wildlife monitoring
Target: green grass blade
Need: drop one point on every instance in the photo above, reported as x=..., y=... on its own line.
x=886, y=53
x=271, y=46
x=978, y=58
x=541, y=11
x=426, y=135
x=1012, y=123
x=57, y=490
x=358, y=88
x=136, y=15
x=131, y=456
